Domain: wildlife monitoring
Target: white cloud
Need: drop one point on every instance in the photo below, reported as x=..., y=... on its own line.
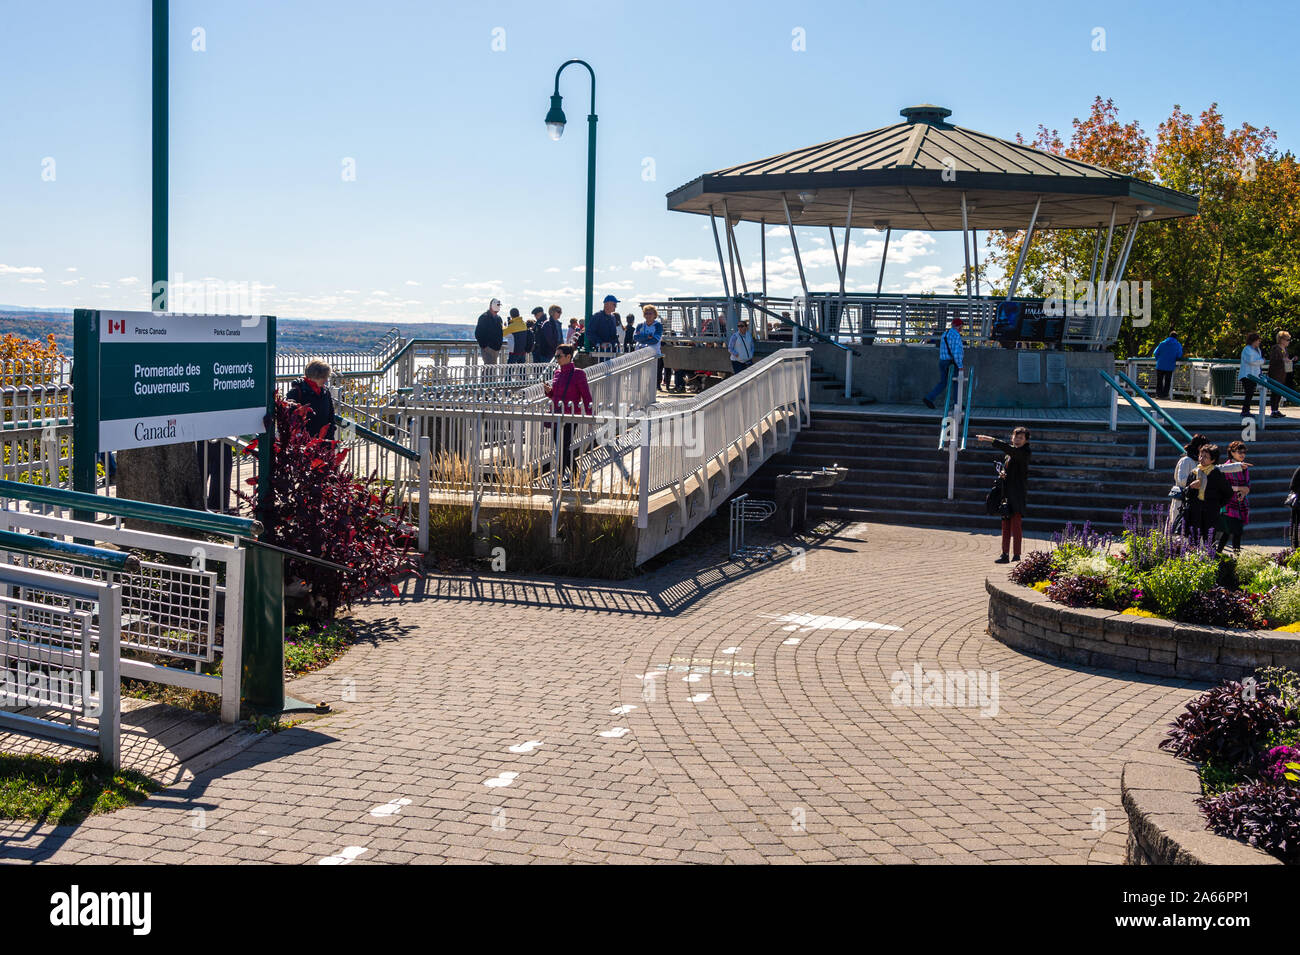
x=129, y=280
x=33, y=281
x=20, y=269
x=412, y=282
x=553, y=268
x=70, y=269
x=648, y=262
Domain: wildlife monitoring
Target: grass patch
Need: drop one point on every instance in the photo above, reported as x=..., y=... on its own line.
x=66, y=792
x=310, y=646
x=1216, y=779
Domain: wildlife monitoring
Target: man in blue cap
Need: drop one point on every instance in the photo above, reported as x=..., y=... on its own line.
x=602, y=329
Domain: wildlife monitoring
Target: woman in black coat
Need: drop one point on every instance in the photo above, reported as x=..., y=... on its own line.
x=313, y=390
x=1207, y=493
x=1015, y=489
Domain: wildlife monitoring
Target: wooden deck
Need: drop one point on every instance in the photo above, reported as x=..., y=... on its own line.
x=166, y=743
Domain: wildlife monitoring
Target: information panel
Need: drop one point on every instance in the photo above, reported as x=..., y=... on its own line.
x=165, y=379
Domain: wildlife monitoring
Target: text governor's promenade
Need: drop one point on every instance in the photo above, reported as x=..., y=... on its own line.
x=854, y=549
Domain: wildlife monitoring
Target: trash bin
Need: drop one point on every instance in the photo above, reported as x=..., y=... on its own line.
x=1223, y=382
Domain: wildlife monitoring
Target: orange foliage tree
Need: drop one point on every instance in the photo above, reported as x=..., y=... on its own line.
x=1232, y=269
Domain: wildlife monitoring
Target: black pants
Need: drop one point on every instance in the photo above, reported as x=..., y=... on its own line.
x=1202, y=521
x=1275, y=399
x=660, y=375
x=1247, y=401
x=564, y=447
x=1164, y=379
x=1232, y=527
x=1295, y=527
x=216, y=476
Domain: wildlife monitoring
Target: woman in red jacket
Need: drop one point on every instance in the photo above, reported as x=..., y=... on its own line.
x=570, y=394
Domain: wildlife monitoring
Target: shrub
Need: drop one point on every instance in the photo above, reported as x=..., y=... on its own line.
x=1171, y=584
x=1035, y=567
x=321, y=509
x=1074, y=590
x=1262, y=815
x=1088, y=564
x=1224, y=726
x=1220, y=607
x=1281, y=764
x=1248, y=564
x=1283, y=604
x=1270, y=577
x=1147, y=543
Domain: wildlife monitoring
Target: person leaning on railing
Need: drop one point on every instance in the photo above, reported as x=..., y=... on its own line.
x=1166, y=355
x=570, y=395
x=313, y=391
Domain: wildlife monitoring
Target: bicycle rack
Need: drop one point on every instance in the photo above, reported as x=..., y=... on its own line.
x=746, y=511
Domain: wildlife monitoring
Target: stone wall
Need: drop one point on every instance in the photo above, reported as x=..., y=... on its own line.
x=1164, y=825
x=1025, y=619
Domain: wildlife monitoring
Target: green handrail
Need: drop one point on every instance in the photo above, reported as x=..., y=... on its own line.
x=1153, y=405
x=375, y=438
x=1119, y=390
x=947, y=405
x=965, y=408
x=1264, y=381
x=141, y=510
x=83, y=554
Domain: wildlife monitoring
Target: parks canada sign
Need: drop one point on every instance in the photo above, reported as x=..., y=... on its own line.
x=165, y=379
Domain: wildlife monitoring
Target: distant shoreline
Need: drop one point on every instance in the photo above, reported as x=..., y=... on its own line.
x=305, y=334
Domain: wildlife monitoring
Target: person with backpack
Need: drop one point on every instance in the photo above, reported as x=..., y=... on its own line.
x=950, y=360
x=1014, y=475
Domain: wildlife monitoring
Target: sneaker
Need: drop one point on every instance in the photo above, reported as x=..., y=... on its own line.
x=1277, y=414
x=928, y=403
x=1004, y=559
x=1015, y=559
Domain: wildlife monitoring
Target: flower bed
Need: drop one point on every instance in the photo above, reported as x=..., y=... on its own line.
x=1245, y=739
x=1148, y=572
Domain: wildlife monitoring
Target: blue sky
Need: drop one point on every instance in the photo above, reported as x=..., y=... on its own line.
x=459, y=194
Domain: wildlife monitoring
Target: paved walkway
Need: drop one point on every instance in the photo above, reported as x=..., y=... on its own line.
x=508, y=720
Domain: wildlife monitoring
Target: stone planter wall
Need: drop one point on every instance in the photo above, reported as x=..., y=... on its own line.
x=1025, y=619
x=1164, y=825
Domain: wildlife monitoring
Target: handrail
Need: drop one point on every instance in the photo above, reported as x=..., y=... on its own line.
x=84, y=554
x=376, y=438
x=1264, y=381
x=947, y=407
x=1119, y=390
x=966, y=406
x=1154, y=406
x=675, y=409
x=122, y=507
x=812, y=333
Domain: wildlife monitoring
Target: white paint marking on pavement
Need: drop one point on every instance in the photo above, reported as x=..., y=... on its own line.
x=390, y=808
x=791, y=642
x=344, y=857
x=699, y=697
x=504, y=779
x=731, y=650
x=803, y=622
x=692, y=678
x=621, y=710
x=526, y=747
x=616, y=732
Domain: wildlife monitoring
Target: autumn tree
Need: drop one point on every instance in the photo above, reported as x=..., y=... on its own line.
x=1233, y=268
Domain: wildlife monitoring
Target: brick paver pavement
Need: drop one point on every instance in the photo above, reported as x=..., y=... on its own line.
x=792, y=739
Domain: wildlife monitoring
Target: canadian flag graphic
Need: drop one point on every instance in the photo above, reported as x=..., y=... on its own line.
x=117, y=325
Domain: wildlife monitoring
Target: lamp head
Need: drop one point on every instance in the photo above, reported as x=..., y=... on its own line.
x=807, y=196
x=555, y=118
x=1146, y=211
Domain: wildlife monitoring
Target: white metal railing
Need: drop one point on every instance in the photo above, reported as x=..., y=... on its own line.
x=483, y=452
x=899, y=319
x=59, y=658
x=184, y=604
x=1192, y=379
x=706, y=318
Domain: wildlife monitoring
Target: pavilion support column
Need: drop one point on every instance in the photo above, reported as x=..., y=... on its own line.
x=1112, y=330
x=975, y=251
x=794, y=242
x=1024, y=250
x=880, y=282
x=762, y=252
x=1105, y=256
x=717, y=244
x=734, y=247
x=965, y=251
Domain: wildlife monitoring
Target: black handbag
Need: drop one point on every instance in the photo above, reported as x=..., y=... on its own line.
x=996, y=501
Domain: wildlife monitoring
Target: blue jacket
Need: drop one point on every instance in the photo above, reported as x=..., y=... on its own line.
x=601, y=330
x=1167, y=354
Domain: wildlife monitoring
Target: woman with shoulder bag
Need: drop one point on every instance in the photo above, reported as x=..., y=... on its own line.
x=1015, y=489
x=1178, y=504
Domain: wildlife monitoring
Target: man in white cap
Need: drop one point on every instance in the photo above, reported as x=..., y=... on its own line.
x=489, y=334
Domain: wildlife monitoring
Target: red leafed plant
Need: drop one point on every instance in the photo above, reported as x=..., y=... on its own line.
x=321, y=508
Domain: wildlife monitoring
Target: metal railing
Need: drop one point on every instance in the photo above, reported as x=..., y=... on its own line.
x=59, y=658
x=1154, y=427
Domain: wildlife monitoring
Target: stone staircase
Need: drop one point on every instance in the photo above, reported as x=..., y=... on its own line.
x=1079, y=472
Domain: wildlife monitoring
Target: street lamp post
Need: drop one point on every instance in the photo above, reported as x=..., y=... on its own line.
x=555, y=126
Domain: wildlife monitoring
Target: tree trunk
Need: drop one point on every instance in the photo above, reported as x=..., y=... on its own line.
x=163, y=475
